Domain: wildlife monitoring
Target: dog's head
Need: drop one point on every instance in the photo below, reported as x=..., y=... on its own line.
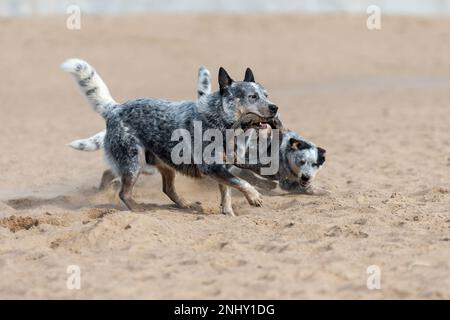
x=246, y=101
x=301, y=160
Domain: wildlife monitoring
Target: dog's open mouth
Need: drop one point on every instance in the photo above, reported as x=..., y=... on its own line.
x=254, y=121
x=257, y=125
x=305, y=185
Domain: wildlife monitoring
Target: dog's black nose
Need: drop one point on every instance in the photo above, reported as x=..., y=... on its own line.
x=305, y=178
x=273, y=108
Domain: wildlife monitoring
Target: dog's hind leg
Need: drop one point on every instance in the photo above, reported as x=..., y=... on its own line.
x=128, y=181
x=225, y=200
x=168, y=179
x=107, y=177
x=124, y=154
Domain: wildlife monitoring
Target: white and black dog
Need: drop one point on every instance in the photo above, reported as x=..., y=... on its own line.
x=300, y=159
x=140, y=131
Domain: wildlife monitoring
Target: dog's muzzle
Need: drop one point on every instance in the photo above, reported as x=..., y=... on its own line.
x=305, y=181
x=273, y=109
x=255, y=121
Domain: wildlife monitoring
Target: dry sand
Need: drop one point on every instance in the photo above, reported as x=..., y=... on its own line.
x=378, y=101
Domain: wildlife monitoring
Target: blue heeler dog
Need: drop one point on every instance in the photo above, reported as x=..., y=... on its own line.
x=299, y=158
x=140, y=130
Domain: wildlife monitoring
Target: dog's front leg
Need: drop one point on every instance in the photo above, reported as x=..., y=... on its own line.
x=225, y=200
x=221, y=174
x=255, y=180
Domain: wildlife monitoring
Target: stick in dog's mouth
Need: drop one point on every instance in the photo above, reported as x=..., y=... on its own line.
x=254, y=121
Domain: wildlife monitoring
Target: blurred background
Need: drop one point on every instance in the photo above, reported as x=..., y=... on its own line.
x=29, y=7
x=376, y=99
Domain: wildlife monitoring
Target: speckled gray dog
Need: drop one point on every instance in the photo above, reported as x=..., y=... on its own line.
x=299, y=162
x=141, y=128
x=299, y=159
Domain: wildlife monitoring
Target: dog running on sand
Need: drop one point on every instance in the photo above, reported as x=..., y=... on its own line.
x=139, y=130
x=300, y=159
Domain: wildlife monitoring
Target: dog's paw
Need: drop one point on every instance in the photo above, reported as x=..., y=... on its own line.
x=133, y=205
x=228, y=211
x=254, y=198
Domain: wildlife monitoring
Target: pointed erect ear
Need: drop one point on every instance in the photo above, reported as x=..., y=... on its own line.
x=321, y=151
x=249, y=75
x=321, y=156
x=295, y=144
x=224, y=80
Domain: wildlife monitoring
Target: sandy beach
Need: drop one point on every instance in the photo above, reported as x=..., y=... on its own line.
x=377, y=101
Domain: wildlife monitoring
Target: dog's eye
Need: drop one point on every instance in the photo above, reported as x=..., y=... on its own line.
x=315, y=165
x=253, y=96
x=302, y=162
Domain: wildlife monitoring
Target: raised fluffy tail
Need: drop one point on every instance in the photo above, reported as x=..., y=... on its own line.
x=203, y=82
x=91, y=84
x=89, y=144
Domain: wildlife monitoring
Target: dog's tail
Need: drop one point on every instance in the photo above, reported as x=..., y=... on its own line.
x=89, y=144
x=203, y=82
x=91, y=84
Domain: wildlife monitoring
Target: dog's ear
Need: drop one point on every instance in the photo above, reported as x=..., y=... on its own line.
x=320, y=156
x=249, y=75
x=224, y=80
x=295, y=144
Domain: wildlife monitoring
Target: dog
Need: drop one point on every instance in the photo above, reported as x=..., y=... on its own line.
x=300, y=159
x=299, y=162
x=139, y=130
x=96, y=141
